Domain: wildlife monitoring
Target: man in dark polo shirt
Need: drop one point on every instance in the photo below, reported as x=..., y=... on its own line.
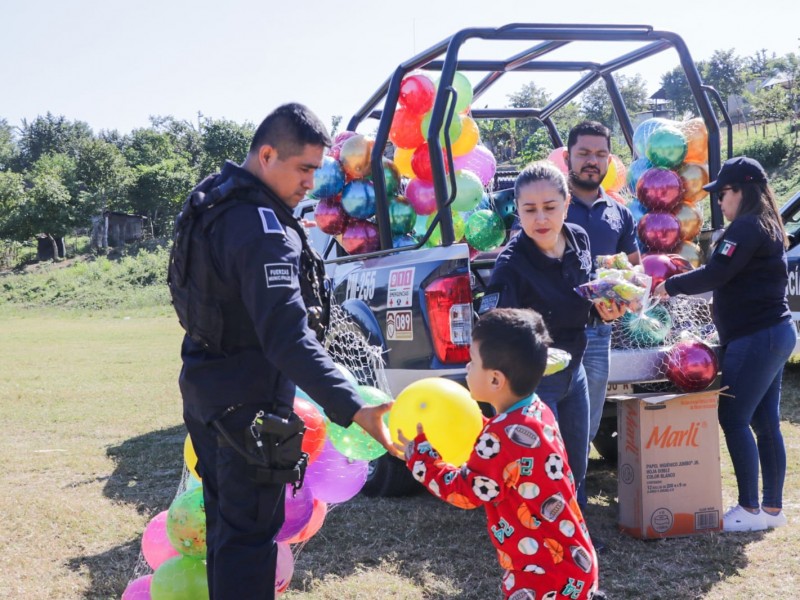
x=612, y=229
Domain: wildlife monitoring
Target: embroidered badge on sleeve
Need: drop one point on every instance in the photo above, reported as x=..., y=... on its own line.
x=727, y=248
x=270, y=221
x=278, y=275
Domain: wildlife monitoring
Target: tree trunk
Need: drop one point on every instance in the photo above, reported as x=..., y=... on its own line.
x=56, y=257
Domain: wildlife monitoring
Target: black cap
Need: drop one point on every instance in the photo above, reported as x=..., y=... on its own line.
x=738, y=170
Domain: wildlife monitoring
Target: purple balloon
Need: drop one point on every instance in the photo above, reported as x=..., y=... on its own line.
x=659, y=231
x=480, y=161
x=659, y=189
x=422, y=196
x=360, y=237
x=335, y=478
x=298, y=509
x=330, y=216
x=138, y=589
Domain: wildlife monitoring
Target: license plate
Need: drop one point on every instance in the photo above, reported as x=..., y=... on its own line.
x=616, y=389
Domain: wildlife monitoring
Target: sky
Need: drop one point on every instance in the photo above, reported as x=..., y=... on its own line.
x=114, y=64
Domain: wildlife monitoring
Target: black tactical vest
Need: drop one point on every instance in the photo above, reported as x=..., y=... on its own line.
x=209, y=310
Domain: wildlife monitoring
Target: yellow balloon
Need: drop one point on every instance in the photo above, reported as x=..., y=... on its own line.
x=611, y=176
x=449, y=416
x=402, y=160
x=691, y=252
x=469, y=138
x=190, y=457
x=690, y=218
x=615, y=176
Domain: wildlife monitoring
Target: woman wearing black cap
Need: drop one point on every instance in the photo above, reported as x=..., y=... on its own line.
x=747, y=272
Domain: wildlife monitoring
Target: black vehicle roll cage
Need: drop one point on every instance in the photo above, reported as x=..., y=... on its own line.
x=550, y=37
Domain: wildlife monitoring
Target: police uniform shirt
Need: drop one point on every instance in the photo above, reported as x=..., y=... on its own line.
x=748, y=273
x=260, y=258
x=524, y=277
x=610, y=225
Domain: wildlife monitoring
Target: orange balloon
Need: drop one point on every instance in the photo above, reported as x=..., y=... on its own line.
x=318, y=512
x=696, y=139
x=694, y=176
x=355, y=156
x=690, y=252
x=469, y=138
x=690, y=218
x=402, y=160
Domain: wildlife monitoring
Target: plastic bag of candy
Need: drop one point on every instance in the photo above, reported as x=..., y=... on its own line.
x=626, y=288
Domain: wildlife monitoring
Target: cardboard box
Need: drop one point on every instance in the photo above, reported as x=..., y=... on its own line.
x=669, y=480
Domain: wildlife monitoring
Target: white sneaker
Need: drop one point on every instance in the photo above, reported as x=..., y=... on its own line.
x=773, y=521
x=739, y=519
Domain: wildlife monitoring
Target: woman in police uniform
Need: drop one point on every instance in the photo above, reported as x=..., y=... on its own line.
x=747, y=272
x=540, y=269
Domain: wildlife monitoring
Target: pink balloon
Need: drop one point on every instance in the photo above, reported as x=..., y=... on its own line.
x=298, y=508
x=155, y=542
x=659, y=189
x=661, y=232
x=422, y=196
x=557, y=158
x=338, y=142
x=480, y=161
x=335, y=478
x=285, y=568
x=330, y=216
x=691, y=365
x=360, y=236
x=138, y=589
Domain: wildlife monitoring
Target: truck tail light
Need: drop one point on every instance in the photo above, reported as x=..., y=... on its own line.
x=449, y=302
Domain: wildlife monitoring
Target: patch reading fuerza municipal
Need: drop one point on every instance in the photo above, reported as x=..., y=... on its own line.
x=727, y=248
x=270, y=221
x=278, y=275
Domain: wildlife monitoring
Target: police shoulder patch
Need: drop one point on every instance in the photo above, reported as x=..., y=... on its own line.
x=270, y=221
x=488, y=302
x=726, y=248
x=278, y=274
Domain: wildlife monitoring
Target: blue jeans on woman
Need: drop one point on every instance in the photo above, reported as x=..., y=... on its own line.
x=567, y=396
x=752, y=368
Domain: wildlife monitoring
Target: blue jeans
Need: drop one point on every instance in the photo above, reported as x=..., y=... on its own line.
x=567, y=396
x=752, y=367
x=595, y=362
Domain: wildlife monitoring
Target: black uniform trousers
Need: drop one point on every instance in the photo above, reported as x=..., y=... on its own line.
x=242, y=518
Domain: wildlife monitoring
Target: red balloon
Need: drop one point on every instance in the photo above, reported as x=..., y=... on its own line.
x=417, y=93
x=659, y=231
x=691, y=365
x=421, y=162
x=659, y=267
x=405, y=131
x=314, y=437
x=330, y=216
x=659, y=189
x=360, y=237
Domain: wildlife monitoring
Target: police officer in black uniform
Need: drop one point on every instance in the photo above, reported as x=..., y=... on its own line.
x=247, y=286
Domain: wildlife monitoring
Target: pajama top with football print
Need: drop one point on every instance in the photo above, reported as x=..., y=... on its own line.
x=519, y=473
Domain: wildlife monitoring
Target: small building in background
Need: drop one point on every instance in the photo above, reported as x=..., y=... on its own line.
x=113, y=229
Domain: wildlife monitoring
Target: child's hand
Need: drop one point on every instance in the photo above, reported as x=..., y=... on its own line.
x=406, y=446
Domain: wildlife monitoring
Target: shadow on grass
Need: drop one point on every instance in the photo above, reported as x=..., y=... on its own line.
x=147, y=473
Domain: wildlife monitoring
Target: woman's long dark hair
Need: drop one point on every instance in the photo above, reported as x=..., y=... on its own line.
x=758, y=199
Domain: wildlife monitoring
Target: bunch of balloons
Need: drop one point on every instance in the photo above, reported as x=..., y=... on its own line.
x=474, y=164
x=174, y=541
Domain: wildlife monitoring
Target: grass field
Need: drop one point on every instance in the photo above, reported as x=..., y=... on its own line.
x=91, y=450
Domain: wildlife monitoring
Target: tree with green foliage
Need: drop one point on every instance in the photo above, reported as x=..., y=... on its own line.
x=186, y=139
x=103, y=175
x=224, y=140
x=676, y=90
x=158, y=191
x=725, y=71
x=50, y=135
x=769, y=105
x=596, y=103
x=8, y=149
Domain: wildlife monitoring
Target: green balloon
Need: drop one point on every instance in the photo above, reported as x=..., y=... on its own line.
x=469, y=191
x=454, y=129
x=180, y=578
x=353, y=441
x=436, y=235
x=666, y=147
x=649, y=329
x=401, y=216
x=463, y=88
x=392, y=177
x=186, y=523
x=485, y=230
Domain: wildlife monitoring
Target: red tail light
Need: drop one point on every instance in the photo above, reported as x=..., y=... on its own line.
x=449, y=301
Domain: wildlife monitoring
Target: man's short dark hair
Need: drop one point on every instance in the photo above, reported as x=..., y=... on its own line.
x=289, y=128
x=588, y=128
x=514, y=341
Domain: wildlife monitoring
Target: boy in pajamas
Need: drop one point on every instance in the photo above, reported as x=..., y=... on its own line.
x=518, y=468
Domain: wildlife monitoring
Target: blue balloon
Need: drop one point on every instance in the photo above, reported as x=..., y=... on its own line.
x=400, y=241
x=637, y=209
x=328, y=179
x=358, y=199
x=635, y=171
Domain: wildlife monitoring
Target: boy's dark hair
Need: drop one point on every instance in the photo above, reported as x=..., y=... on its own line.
x=289, y=128
x=514, y=341
x=588, y=128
